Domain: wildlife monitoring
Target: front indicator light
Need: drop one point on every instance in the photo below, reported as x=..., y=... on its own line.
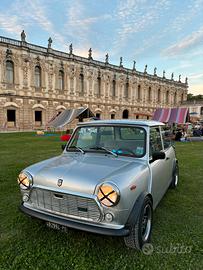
x=108, y=194
x=109, y=217
x=25, y=197
x=25, y=180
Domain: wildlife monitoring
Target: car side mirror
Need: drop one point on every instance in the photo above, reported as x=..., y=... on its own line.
x=63, y=146
x=158, y=155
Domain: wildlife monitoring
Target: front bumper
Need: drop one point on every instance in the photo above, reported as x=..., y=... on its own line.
x=74, y=224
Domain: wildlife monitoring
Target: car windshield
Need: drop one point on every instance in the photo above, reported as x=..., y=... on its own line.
x=120, y=140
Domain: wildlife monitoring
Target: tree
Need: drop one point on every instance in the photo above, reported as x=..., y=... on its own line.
x=192, y=97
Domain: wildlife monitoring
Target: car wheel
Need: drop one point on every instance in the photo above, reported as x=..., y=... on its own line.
x=140, y=231
x=175, y=178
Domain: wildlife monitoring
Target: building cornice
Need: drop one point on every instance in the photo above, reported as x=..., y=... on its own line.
x=49, y=52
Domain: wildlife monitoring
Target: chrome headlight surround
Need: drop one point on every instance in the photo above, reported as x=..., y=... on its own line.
x=108, y=194
x=25, y=180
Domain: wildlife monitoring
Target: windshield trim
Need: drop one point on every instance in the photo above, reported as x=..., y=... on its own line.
x=113, y=125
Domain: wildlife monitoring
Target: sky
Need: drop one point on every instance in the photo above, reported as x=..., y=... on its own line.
x=167, y=34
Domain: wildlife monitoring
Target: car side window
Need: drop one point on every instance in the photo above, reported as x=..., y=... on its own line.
x=155, y=143
x=167, y=137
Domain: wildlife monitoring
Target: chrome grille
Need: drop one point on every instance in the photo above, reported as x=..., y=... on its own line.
x=65, y=204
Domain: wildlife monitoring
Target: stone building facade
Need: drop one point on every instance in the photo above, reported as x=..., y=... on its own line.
x=37, y=82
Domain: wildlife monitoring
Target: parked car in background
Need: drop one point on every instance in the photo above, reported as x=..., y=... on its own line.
x=110, y=177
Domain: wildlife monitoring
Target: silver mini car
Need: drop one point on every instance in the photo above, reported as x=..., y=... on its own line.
x=108, y=180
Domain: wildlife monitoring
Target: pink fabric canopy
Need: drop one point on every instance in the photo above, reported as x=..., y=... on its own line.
x=171, y=115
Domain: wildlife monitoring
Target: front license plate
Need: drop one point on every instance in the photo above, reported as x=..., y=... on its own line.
x=56, y=226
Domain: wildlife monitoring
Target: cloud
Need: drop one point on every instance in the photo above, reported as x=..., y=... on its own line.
x=135, y=16
x=79, y=28
x=195, y=76
x=187, y=13
x=191, y=40
x=28, y=13
x=12, y=25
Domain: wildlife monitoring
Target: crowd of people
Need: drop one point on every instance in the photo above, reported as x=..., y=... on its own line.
x=186, y=131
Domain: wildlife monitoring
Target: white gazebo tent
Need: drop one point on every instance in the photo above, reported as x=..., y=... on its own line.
x=67, y=116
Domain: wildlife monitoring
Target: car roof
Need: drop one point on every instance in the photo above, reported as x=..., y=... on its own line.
x=149, y=123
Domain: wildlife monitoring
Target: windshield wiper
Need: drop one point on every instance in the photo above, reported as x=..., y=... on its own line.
x=78, y=148
x=105, y=149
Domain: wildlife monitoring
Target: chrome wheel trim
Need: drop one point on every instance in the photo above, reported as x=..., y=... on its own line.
x=176, y=179
x=146, y=222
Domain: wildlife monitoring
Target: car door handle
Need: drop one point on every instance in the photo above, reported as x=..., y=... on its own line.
x=167, y=158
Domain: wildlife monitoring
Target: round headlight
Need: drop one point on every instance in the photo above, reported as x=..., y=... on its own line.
x=108, y=194
x=25, y=180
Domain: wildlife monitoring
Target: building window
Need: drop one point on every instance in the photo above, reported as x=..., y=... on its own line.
x=11, y=115
x=113, y=88
x=81, y=84
x=61, y=80
x=139, y=92
x=126, y=90
x=38, y=118
x=9, y=72
x=159, y=95
x=175, y=98
x=98, y=86
x=38, y=76
x=98, y=115
x=167, y=96
x=125, y=114
x=112, y=116
x=150, y=94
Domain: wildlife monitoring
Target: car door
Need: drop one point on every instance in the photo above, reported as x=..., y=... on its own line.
x=170, y=155
x=159, y=168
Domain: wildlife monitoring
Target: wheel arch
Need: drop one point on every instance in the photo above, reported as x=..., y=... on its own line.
x=134, y=214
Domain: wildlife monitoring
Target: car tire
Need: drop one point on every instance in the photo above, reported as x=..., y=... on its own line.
x=175, y=178
x=140, y=231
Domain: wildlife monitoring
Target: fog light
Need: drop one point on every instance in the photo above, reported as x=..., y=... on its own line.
x=25, y=197
x=108, y=217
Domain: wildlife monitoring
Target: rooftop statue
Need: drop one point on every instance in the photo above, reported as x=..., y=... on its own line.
x=23, y=36
x=49, y=43
x=90, y=53
x=107, y=59
x=134, y=63
x=121, y=61
x=71, y=49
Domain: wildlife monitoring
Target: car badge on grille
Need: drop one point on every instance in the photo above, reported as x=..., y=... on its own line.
x=60, y=182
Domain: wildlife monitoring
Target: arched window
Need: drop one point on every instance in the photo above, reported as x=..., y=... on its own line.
x=61, y=80
x=126, y=90
x=99, y=86
x=125, y=114
x=139, y=92
x=9, y=72
x=159, y=95
x=150, y=94
x=113, y=88
x=175, y=98
x=38, y=76
x=81, y=84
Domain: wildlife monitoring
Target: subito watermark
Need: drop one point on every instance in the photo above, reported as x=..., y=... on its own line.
x=149, y=249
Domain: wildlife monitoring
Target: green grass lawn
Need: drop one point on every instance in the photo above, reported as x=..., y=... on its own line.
x=27, y=244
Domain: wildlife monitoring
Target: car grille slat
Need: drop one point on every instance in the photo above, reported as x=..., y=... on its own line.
x=65, y=204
